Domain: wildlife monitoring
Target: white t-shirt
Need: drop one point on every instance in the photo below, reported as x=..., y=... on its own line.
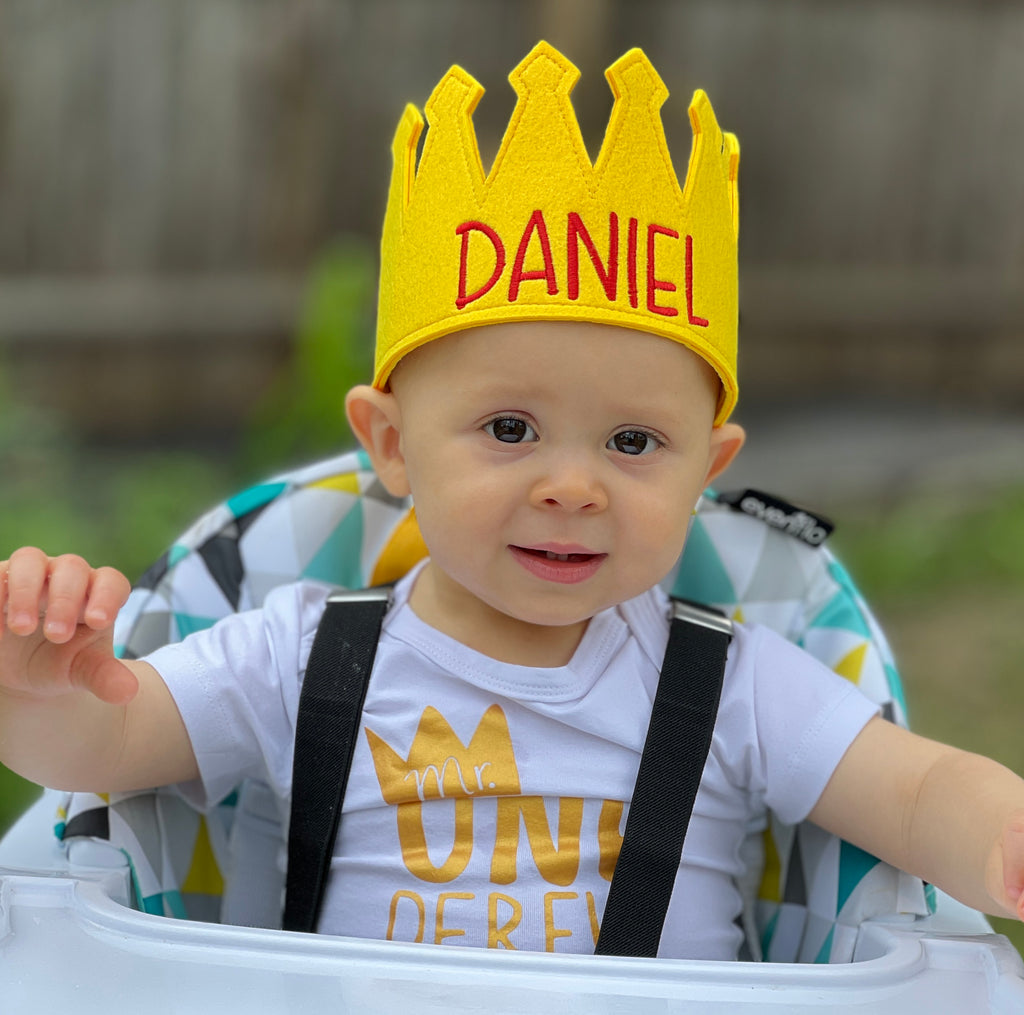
x=485, y=801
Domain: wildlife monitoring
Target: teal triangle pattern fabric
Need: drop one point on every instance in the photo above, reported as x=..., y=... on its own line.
x=187, y=624
x=339, y=560
x=177, y=553
x=842, y=612
x=255, y=497
x=702, y=576
x=854, y=865
x=826, y=949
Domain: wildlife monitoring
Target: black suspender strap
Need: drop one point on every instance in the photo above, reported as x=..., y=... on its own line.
x=330, y=707
x=675, y=751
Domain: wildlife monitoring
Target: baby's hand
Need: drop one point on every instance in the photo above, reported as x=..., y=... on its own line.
x=56, y=627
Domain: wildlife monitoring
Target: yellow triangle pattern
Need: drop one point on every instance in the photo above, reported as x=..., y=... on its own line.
x=204, y=876
x=404, y=549
x=852, y=663
x=771, y=879
x=346, y=482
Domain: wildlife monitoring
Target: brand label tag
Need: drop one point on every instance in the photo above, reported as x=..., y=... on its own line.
x=779, y=514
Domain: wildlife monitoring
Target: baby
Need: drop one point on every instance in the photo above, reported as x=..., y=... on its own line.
x=556, y=368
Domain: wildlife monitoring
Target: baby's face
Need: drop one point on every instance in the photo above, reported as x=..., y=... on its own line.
x=554, y=466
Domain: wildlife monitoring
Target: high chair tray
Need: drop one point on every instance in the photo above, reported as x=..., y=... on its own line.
x=66, y=943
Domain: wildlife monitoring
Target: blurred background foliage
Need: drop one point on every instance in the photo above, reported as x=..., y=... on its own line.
x=303, y=414
x=122, y=505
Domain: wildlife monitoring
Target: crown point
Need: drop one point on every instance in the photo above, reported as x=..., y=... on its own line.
x=544, y=68
x=457, y=93
x=635, y=129
x=702, y=117
x=407, y=133
x=403, y=153
x=634, y=76
x=451, y=139
x=732, y=151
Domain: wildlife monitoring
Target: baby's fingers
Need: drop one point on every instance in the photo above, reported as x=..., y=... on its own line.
x=22, y=587
x=64, y=590
x=108, y=592
x=66, y=596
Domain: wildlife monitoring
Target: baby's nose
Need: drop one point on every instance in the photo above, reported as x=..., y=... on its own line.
x=573, y=485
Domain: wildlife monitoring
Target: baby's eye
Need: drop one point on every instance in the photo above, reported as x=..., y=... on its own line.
x=510, y=430
x=633, y=442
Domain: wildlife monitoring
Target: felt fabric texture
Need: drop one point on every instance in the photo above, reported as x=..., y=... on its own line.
x=546, y=234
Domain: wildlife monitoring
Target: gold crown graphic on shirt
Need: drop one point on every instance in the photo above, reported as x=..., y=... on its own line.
x=548, y=235
x=440, y=766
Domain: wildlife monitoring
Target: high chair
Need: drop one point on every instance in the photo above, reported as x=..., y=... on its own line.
x=811, y=898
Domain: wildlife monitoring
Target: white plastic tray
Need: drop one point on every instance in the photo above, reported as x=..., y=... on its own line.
x=65, y=941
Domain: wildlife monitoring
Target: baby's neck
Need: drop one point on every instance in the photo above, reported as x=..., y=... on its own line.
x=453, y=611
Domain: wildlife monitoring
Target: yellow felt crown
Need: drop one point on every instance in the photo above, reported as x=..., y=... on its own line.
x=546, y=235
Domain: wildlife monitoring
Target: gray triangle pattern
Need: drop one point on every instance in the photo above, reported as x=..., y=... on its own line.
x=377, y=491
x=779, y=574
x=321, y=513
x=738, y=541
x=139, y=814
x=150, y=631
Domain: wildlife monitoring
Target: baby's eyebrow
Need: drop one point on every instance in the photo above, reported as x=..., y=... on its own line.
x=505, y=394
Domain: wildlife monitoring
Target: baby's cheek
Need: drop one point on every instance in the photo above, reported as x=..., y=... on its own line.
x=663, y=528
x=656, y=548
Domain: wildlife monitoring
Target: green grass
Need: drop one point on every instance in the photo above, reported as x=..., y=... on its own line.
x=15, y=796
x=925, y=549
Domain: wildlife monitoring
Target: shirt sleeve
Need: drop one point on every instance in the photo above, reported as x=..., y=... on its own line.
x=237, y=686
x=804, y=718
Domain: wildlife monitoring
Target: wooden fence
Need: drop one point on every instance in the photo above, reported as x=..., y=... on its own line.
x=169, y=169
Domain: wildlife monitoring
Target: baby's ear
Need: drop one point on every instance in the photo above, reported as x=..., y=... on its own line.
x=376, y=420
x=726, y=442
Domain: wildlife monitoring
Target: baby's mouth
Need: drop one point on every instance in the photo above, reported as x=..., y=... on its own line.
x=565, y=565
x=575, y=558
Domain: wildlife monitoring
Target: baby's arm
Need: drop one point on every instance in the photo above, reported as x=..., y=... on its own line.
x=72, y=716
x=953, y=818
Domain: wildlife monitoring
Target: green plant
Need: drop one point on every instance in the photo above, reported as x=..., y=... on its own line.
x=303, y=417
x=937, y=546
